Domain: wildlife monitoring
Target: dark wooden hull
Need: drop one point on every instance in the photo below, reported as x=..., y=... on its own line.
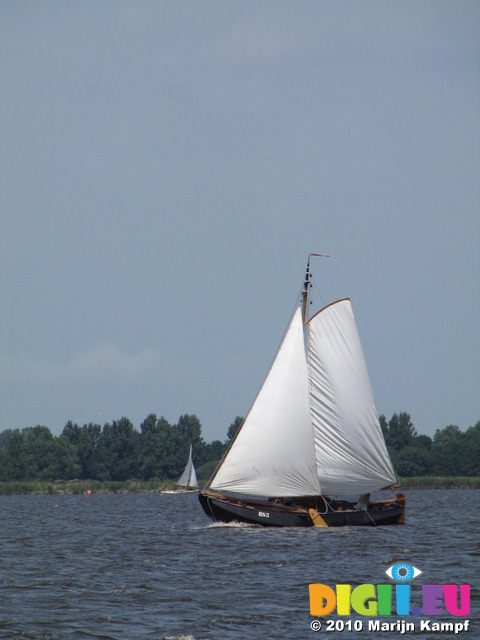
x=222, y=508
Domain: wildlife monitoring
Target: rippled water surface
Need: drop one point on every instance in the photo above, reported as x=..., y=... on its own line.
x=152, y=566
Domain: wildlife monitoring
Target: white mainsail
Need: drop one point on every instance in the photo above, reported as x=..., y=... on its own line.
x=188, y=477
x=350, y=450
x=273, y=454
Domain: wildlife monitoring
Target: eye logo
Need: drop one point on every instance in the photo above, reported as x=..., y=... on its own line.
x=402, y=572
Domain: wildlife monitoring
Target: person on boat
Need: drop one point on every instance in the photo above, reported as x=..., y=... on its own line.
x=363, y=501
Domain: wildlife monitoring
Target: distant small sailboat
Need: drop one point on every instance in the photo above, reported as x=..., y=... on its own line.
x=312, y=432
x=188, y=479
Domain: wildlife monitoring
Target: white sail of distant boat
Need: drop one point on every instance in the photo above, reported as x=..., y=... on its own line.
x=188, y=478
x=311, y=432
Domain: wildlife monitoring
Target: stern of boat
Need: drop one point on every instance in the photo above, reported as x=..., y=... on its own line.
x=401, y=499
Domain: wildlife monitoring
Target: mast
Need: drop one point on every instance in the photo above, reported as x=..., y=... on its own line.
x=307, y=285
x=305, y=290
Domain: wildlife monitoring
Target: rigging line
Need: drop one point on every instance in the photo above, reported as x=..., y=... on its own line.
x=322, y=513
x=375, y=524
x=210, y=507
x=315, y=286
x=311, y=280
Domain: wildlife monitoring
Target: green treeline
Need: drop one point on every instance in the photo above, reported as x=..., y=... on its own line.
x=451, y=452
x=116, y=451
x=119, y=452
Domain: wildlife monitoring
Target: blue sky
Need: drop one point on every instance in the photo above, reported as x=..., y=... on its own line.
x=167, y=166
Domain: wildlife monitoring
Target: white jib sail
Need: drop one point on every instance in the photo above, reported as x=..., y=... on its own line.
x=188, y=477
x=350, y=450
x=273, y=455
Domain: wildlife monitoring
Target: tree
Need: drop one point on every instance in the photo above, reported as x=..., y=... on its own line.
x=422, y=442
x=164, y=448
x=30, y=454
x=411, y=461
x=6, y=436
x=173, y=461
x=3, y=465
x=40, y=445
x=400, y=431
x=65, y=464
x=153, y=432
x=86, y=441
x=472, y=453
x=19, y=458
x=120, y=446
x=234, y=428
x=449, y=452
x=215, y=450
x=384, y=427
x=410, y=453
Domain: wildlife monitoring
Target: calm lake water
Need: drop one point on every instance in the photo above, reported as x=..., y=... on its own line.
x=152, y=566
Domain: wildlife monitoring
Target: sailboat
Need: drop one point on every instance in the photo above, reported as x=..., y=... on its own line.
x=312, y=433
x=188, y=479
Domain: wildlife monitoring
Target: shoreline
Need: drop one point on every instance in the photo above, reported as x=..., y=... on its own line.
x=440, y=482
x=83, y=487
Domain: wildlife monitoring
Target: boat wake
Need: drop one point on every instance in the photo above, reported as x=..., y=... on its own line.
x=233, y=525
